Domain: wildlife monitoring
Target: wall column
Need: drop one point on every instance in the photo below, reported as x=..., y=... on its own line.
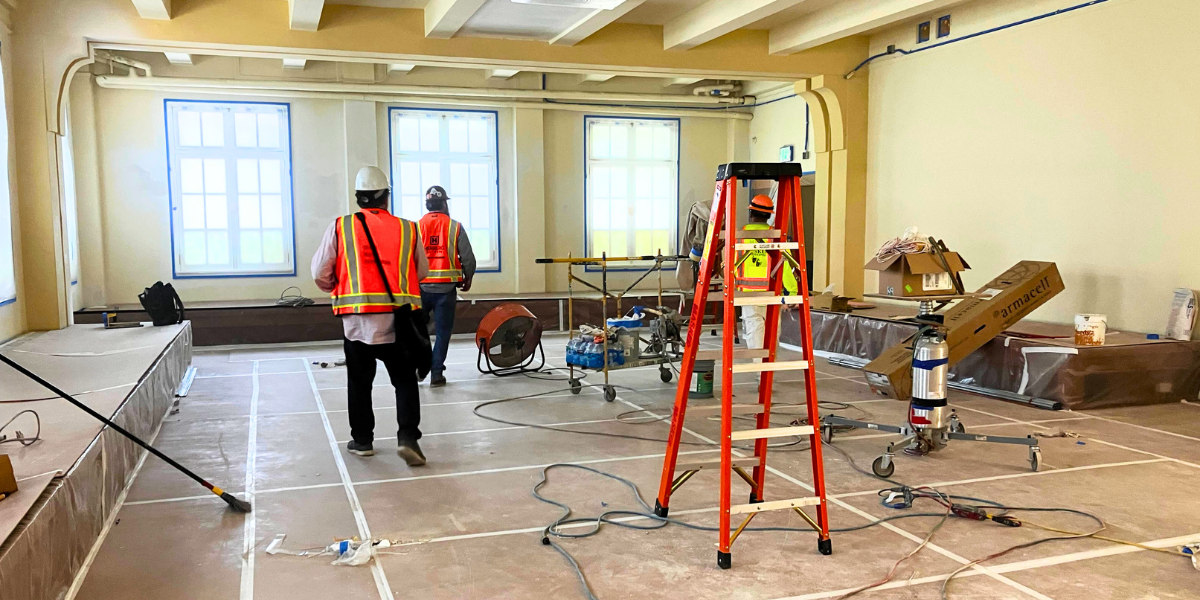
x=529, y=186
x=44, y=297
x=839, y=112
x=362, y=144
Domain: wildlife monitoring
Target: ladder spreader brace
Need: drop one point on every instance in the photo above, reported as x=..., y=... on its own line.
x=776, y=242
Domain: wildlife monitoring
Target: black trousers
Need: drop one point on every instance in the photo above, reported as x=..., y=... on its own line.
x=360, y=373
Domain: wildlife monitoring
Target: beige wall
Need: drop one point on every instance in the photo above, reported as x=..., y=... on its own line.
x=135, y=224
x=778, y=124
x=12, y=316
x=126, y=220
x=1071, y=139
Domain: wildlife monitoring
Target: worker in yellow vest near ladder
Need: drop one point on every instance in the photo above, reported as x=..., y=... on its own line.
x=754, y=273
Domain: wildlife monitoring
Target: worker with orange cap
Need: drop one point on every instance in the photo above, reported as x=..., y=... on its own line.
x=754, y=272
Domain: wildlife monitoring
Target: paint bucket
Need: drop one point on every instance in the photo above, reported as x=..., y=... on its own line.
x=702, y=376
x=1089, y=330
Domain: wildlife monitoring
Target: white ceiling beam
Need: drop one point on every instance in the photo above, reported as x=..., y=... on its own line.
x=398, y=68
x=153, y=9
x=844, y=19
x=295, y=63
x=501, y=73
x=682, y=81
x=592, y=23
x=179, y=58
x=716, y=18
x=443, y=18
x=305, y=15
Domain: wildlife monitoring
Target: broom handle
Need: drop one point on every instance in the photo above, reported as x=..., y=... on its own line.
x=46, y=384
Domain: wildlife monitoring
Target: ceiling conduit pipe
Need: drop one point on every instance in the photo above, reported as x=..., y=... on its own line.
x=626, y=110
x=128, y=62
x=218, y=86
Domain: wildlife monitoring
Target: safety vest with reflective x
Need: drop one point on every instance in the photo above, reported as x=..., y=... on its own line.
x=360, y=286
x=754, y=268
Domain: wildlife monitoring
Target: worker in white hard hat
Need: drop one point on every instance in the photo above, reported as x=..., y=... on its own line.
x=372, y=264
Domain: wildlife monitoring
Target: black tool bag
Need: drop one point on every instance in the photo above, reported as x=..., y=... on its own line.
x=412, y=325
x=162, y=304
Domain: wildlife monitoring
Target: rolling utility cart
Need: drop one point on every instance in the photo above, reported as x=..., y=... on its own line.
x=664, y=344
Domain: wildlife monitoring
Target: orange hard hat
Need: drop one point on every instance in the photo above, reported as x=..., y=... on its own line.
x=762, y=203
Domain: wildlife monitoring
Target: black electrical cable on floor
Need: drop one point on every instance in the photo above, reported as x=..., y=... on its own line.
x=953, y=505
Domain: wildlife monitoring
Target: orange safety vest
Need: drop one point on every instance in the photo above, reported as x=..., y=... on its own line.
x=360, y=288
x=439, y=234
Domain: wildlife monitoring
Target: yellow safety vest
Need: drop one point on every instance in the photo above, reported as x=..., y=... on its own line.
x=754, y=273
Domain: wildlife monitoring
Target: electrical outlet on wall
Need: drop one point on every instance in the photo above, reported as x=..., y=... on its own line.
x=923, y=32
x=943, y=29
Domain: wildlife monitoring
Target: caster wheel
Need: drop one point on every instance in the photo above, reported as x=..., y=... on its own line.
x=610, y=393
x=576, y=386
x=957, y=427
x=827, y=434
x=1035, y=459
x=665, y=375
x=880, y=469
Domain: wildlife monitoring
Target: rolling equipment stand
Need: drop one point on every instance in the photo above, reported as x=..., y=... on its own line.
x=932, y=423
x=723, y=224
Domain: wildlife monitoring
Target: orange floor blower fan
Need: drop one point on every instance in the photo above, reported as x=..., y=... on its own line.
x=509, y=338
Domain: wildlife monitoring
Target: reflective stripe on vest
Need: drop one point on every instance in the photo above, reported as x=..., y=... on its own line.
x=439, y=235
x=754, y=274
x=360, y=286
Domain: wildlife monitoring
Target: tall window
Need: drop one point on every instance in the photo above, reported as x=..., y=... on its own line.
x=455, y=149
x=631, y=194
x=231, y=188
x=8, y=276
x=70, y=208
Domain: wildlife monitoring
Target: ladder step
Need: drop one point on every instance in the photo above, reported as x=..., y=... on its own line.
x=767, y=246
x=767, y=300
x=715, y=463
x=787, y=365
x=756, y=434
x=741, y=509
x=755, y=234
x=736, y=409
x=737, y=353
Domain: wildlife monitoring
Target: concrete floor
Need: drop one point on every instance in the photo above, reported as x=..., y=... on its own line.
x=469, y=528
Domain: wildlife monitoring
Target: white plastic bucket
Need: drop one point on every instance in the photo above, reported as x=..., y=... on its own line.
x=1089, y=330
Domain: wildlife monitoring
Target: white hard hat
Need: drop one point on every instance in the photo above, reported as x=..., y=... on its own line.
x=370, y=179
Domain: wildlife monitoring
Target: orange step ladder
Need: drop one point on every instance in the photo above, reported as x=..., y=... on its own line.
x=786, y=236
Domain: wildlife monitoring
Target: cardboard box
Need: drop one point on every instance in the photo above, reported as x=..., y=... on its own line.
x=971, y=323
x=8, y=480
x=914, y=275
x=830, y=302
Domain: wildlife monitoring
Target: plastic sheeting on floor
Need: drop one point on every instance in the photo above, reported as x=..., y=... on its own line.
x=1128, y=370
x=71, y=479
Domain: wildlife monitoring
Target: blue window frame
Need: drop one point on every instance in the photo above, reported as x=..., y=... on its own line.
x=230, y=171
x=631, y=185
x=458, y=150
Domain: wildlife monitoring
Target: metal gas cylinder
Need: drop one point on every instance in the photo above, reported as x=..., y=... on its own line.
x=931, y=360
